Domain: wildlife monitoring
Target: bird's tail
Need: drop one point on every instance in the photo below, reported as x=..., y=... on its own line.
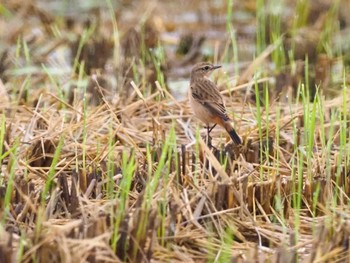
x=234, y=136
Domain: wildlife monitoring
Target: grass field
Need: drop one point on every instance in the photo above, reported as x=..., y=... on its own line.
x=103, y=161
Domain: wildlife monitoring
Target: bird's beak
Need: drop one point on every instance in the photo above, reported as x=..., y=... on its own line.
x=216, y=67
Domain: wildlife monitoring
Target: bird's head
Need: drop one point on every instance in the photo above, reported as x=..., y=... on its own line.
x=203, y=69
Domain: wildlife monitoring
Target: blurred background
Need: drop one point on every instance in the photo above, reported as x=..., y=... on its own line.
x=148, y=41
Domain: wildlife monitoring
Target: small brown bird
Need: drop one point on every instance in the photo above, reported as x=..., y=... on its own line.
x=207, y=102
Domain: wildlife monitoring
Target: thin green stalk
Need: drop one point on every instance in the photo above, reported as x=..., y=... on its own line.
x=153, y=184
x=116, y=37
x=226, y=246
x=47, y=188
x=278, y=204
x=81, y=72
x=278, y=54
x=128, y=171
x=11, y=180
x=267, y=121
x=85, y=36
x=259, y=122
x=110, y=164
x=261, y=26
x=2, y=134
x=56, y=86
x=26, y=52
x=330, y=29
x=301, y=13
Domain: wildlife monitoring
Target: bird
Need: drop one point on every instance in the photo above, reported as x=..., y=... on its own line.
x=206, y=101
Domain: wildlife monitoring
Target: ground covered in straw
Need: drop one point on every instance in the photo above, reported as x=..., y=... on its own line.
x=102, y=160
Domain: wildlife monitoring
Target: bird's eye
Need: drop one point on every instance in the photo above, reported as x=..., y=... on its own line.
x=206, y=67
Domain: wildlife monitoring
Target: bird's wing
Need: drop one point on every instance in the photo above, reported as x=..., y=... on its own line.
x=205, y=92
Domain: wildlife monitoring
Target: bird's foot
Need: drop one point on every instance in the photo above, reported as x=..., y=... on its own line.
x=208, y=141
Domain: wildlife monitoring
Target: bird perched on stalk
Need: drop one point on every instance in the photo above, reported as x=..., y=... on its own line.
x=206, y=101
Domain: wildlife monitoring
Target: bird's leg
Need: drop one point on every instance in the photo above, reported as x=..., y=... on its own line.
x=210, y=129
x=208, y=139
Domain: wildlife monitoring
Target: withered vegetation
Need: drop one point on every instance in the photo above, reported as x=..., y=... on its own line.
x=102, y=161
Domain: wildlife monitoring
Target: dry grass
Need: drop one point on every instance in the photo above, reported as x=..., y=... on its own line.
x=93, y=171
